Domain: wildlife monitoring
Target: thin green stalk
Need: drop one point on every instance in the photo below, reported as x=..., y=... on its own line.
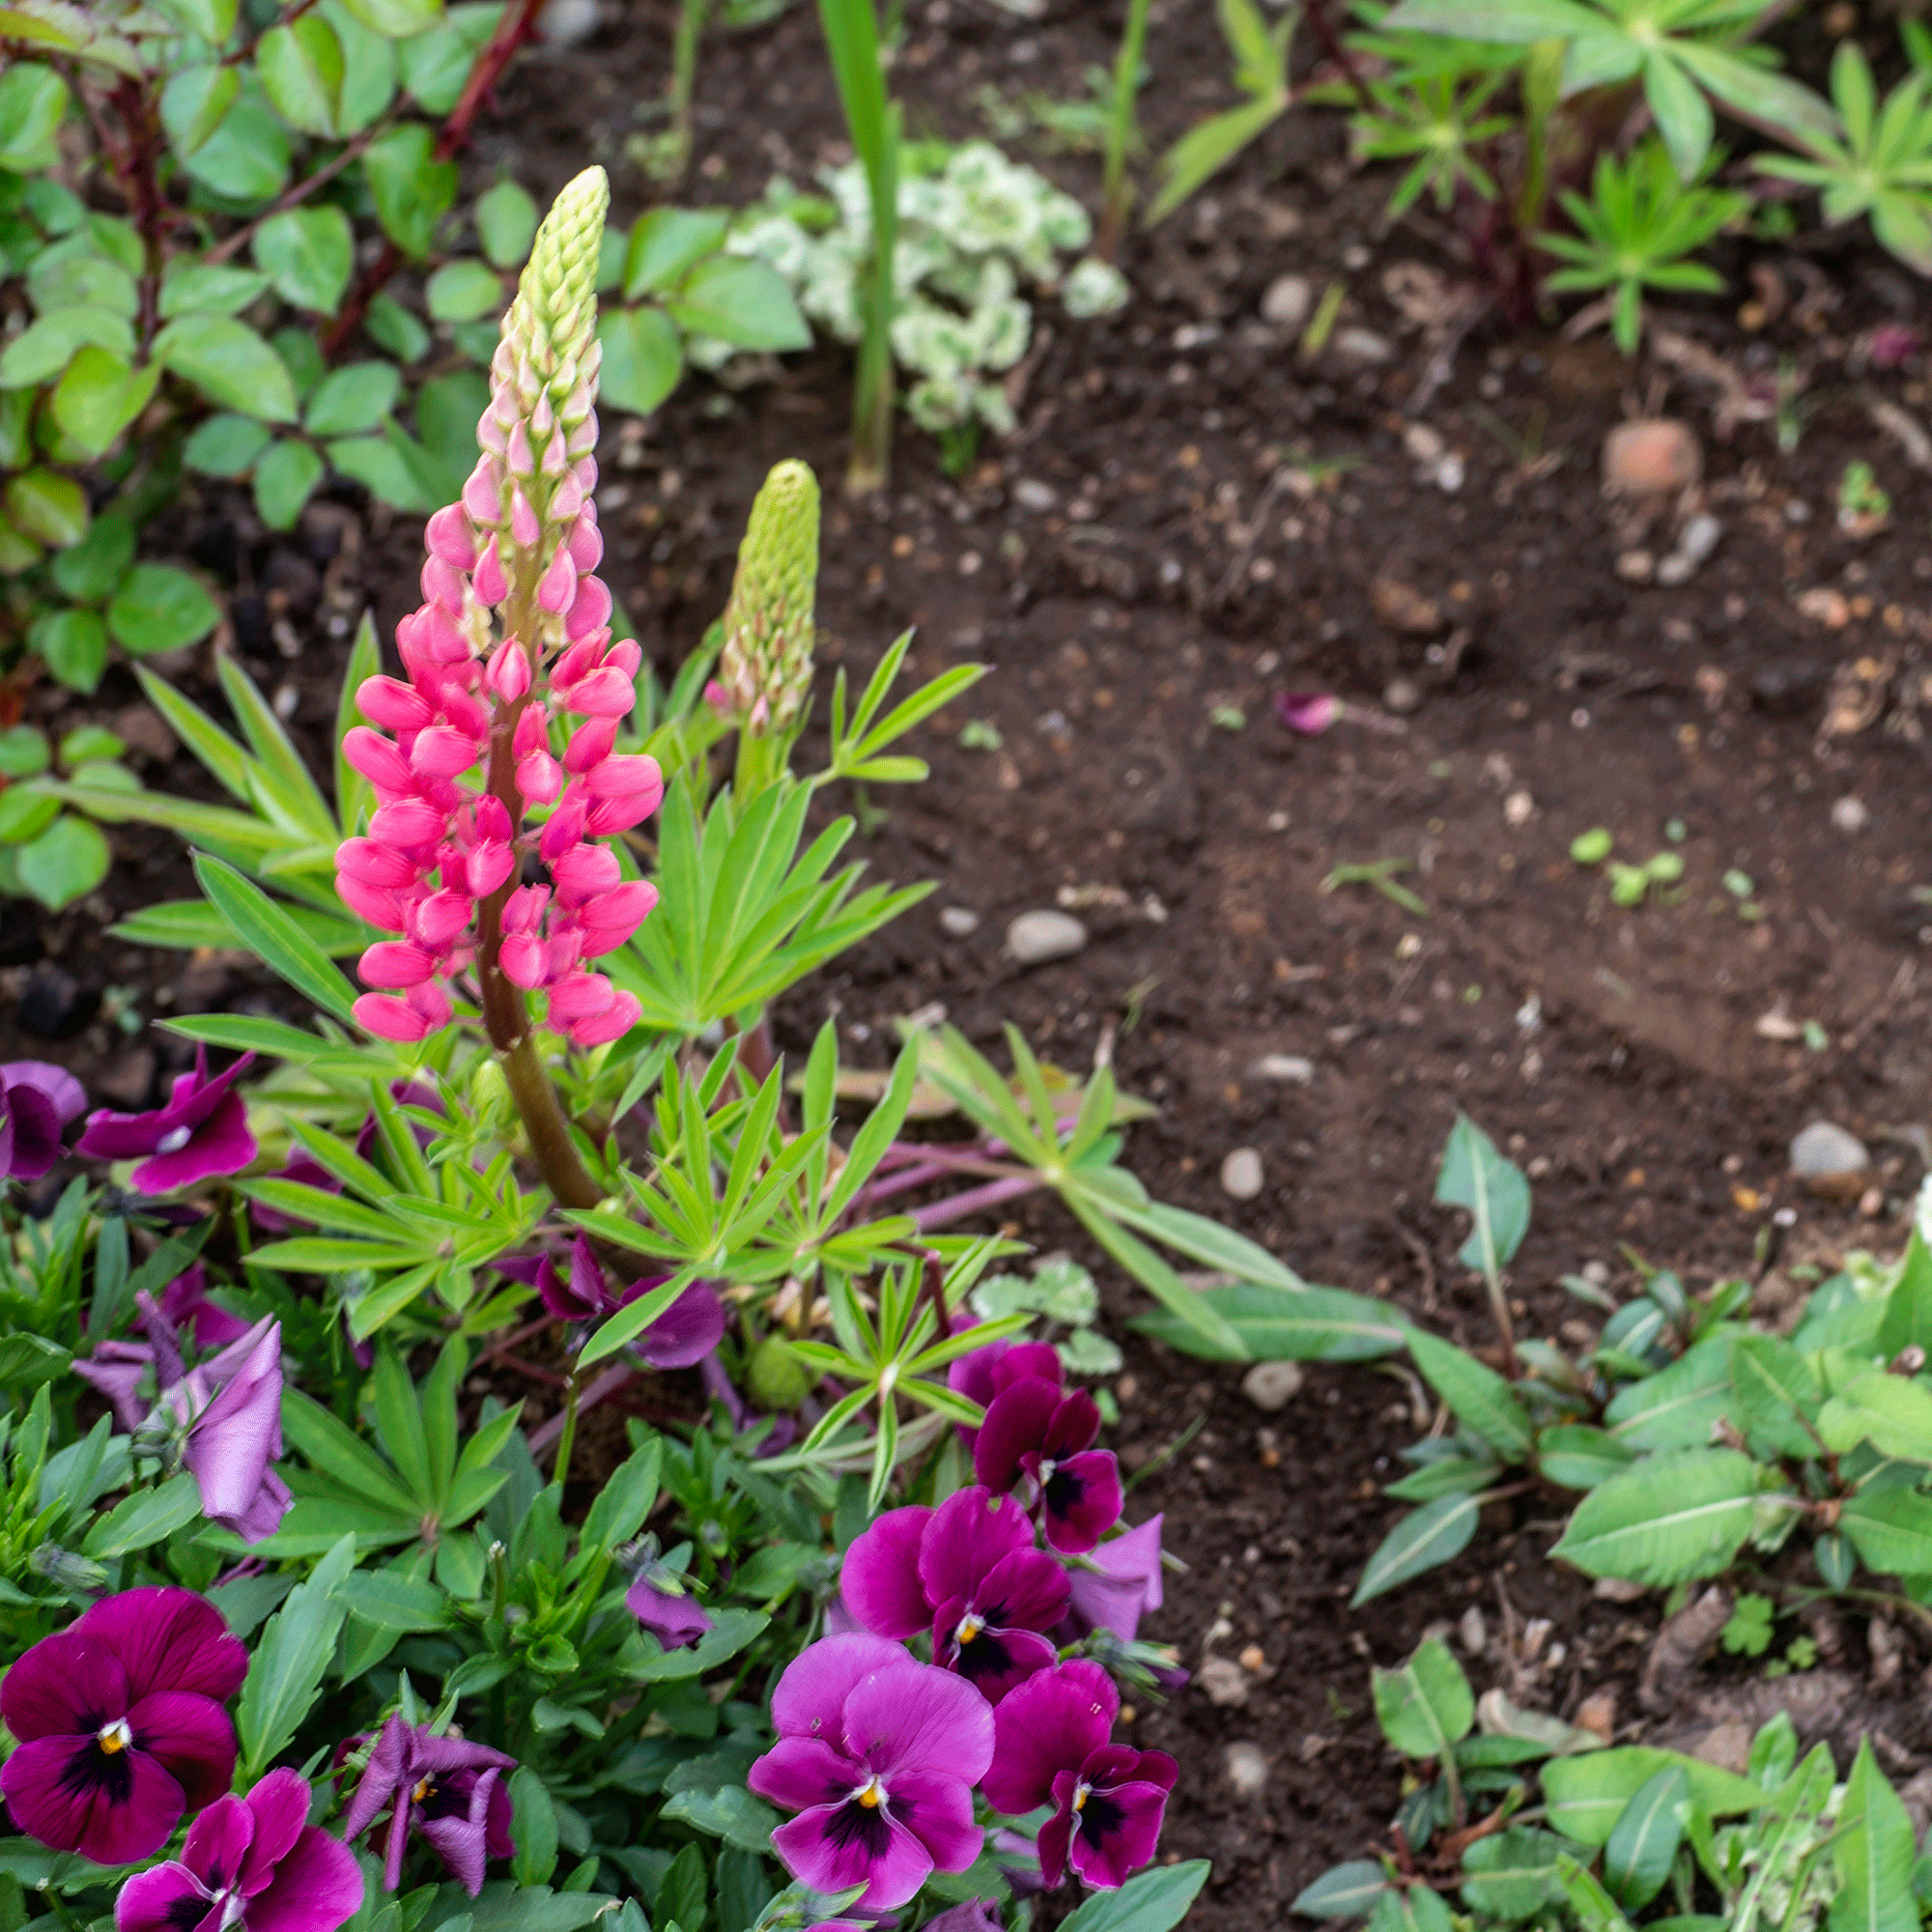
x=560, y=1471
x=1115, y=193
x=683, y=85
x=852, y=39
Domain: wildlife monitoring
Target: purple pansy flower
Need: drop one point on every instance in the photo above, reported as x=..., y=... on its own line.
x=1037, y=1430
x=184, y=1304
x=684, y=1334
x=200, y=1132
x=969, y=1571
x=878, y=1755
x=1116, y=1583
x=992, y=1370
x=970, y=1914
x=660, y=1600
x=253, y=1864
x=1051, y=1747
x=120, y=1724
x=451, y=1790
x=37, y=1101
x=118, y=1369
x=232, y=1409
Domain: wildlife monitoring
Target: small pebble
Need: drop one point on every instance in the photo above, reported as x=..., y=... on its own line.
x=1363, y=348
x=1651, y=458
x=1451, y=473
x=1247, y=1769
x=1636, y=567
x=1241, y=1175
x=1872, y=1203
x=1519, y=809
x=1850, y=814
x=1290, y=1067
x=1474, y=1631
x=1272, y=1385
x=1031, y=493
x=958, y=920
x=1828, y=1159
x=1401, y=608
x=1402, y=696
x=1225, y=1682
x=1286, y=302
x=1423, y=443
x=1035, y=937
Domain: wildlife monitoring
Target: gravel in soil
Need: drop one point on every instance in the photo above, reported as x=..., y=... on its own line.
x=1191, y=521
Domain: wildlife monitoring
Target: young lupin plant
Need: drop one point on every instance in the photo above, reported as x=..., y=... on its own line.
x=513, y=635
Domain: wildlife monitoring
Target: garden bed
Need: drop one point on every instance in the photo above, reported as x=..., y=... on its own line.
x=1190, y=522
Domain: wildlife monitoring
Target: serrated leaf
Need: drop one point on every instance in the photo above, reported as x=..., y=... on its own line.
x=1666, y=1520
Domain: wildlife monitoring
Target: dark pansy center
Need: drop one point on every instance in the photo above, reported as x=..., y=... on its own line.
x=981, y=1654
x=1062, y=1487
x=1095, y=1813
x=442, y=1801
x=862, y=1821
x=184, y=1915
x=101, y=1764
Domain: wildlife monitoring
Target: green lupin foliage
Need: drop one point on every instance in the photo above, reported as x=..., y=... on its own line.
x=766, y=666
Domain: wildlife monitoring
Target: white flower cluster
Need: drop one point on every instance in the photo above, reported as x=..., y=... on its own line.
x=973, y=232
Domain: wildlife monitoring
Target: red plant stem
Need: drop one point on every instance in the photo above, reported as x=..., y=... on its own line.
x=1331, y=44
x=517, y=25
x=294, y=197
x=942, y=1213
x=247, y=52
x=140, y=183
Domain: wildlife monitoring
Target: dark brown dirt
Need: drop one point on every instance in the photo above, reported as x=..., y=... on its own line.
x=1228, y=523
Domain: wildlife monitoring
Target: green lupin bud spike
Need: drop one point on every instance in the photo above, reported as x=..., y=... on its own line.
x=766, y=663
x=553, y=318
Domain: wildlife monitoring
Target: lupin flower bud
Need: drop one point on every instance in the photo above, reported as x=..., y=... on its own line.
x=764, y=671
x=512, y=643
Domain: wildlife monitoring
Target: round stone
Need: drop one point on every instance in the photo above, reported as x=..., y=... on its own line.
x=1272, y=1385
x=1247, y=1769
x=1824, y=1148
x=958, y=920
x=1035, y=937
x=1241, y=1175
x=1286, y=302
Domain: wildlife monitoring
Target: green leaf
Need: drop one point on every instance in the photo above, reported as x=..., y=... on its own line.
x=229, y=363
x=643, y=357
x=73, y=646
x=1512, y=1874
x=666, y=243
x=1775, y=1393
x=26, y=813
x=738, y=300
x=1426, y=1537
x=1578, y=1456
x=1873, y=1849
x=730, y=1813
x=390, y=326
x=194, y=103
x=98, y=396
x=1521, y=21
x=65, y=862
x=413, y=190
x=1482, y=1400
x=47, y=506
x=506, y=223
x=226, y=446
x=1639, y=1852
x=245, y=157
x=266, y=929
x=32, y=103
x=1475, y=1176
x=388, y=1599
x=1154, y=1901
x=300, y=66
x=1891, y=1413
x=1666, y=1520
x=1314, y=1324
x=203, y=288
x=23, y=752
x=1891, y=1529
x=159, y=609
x=295, y=1648
x=1206, y=149
x=1586, y=1795
x=1675, y=1407
x=284, y=480
x=1426, y=1705
x=1343, y=1891
x=353, y=399
x=1908, y=1308
x=397, y=19
x=91, y=569
x=533, y=1830
x=44, y=347
x=211, y=20
x=463, y=291
x=307, y=253
x=144, y=1519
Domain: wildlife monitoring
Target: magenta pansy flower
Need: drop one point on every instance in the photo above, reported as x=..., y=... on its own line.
x=250, y=1864
x=452, y=1791
x=659, y=1600
x=968, y=1569
x=878, y=1755
x=120, y=1724
x=37, y=1101
x=987, y=1372
x=684, y=1334
x=200, y=1132
x=232, y=1409
x=1116, y=1583
x=1039, y=1432
x=1051, y=1747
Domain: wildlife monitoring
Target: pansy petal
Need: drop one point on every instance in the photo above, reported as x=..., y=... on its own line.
x=833, y=1848
x=279, y=1808
x=812, y=1694
x=1082, y=1501
x=220, y=1144
x=67, y=1095
x=317, y=1888
x=970, y=1531
x=798, y=1773
x=1015, y=1425
x=1050, y=1724
x=192, y=1737
x=165, y=1899
x=1118, y=1583
x=35, y=1129
x=1116, y=1832
x=1075, y=1426
x=994, y=1660
x=938, y=1811
x=1053, y=1837
x=917, y=1718
x=880, y=1579
x=1026, y=1590
x=67, y=1683
x=217, y=1844
x=1027, y=1358
x=687, y=1331
x=67, y=1793
x=168, y=1639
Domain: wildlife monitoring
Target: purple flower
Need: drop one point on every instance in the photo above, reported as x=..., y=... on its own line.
x=452, y=1791
x=1037, y=1430
x=118, y=1369
x=120, y=1724
x=878, y=1755
x=201, y=1131
x=37, y=1101
x=1309, y=712
x=990, y=1371
x=674, y=1618
x=970, y=1915
x=684, y=1334
x=186, y=1304
x=232, y=1409
x=253, y=1864
x=969, y=1571
x=1051, y=1747
x=1116, y=1583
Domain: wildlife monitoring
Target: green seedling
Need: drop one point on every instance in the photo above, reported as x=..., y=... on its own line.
x=1862, y=505
x=979, y=734
x=1227, y=718
x=1379, y=875
x=1592, y=847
